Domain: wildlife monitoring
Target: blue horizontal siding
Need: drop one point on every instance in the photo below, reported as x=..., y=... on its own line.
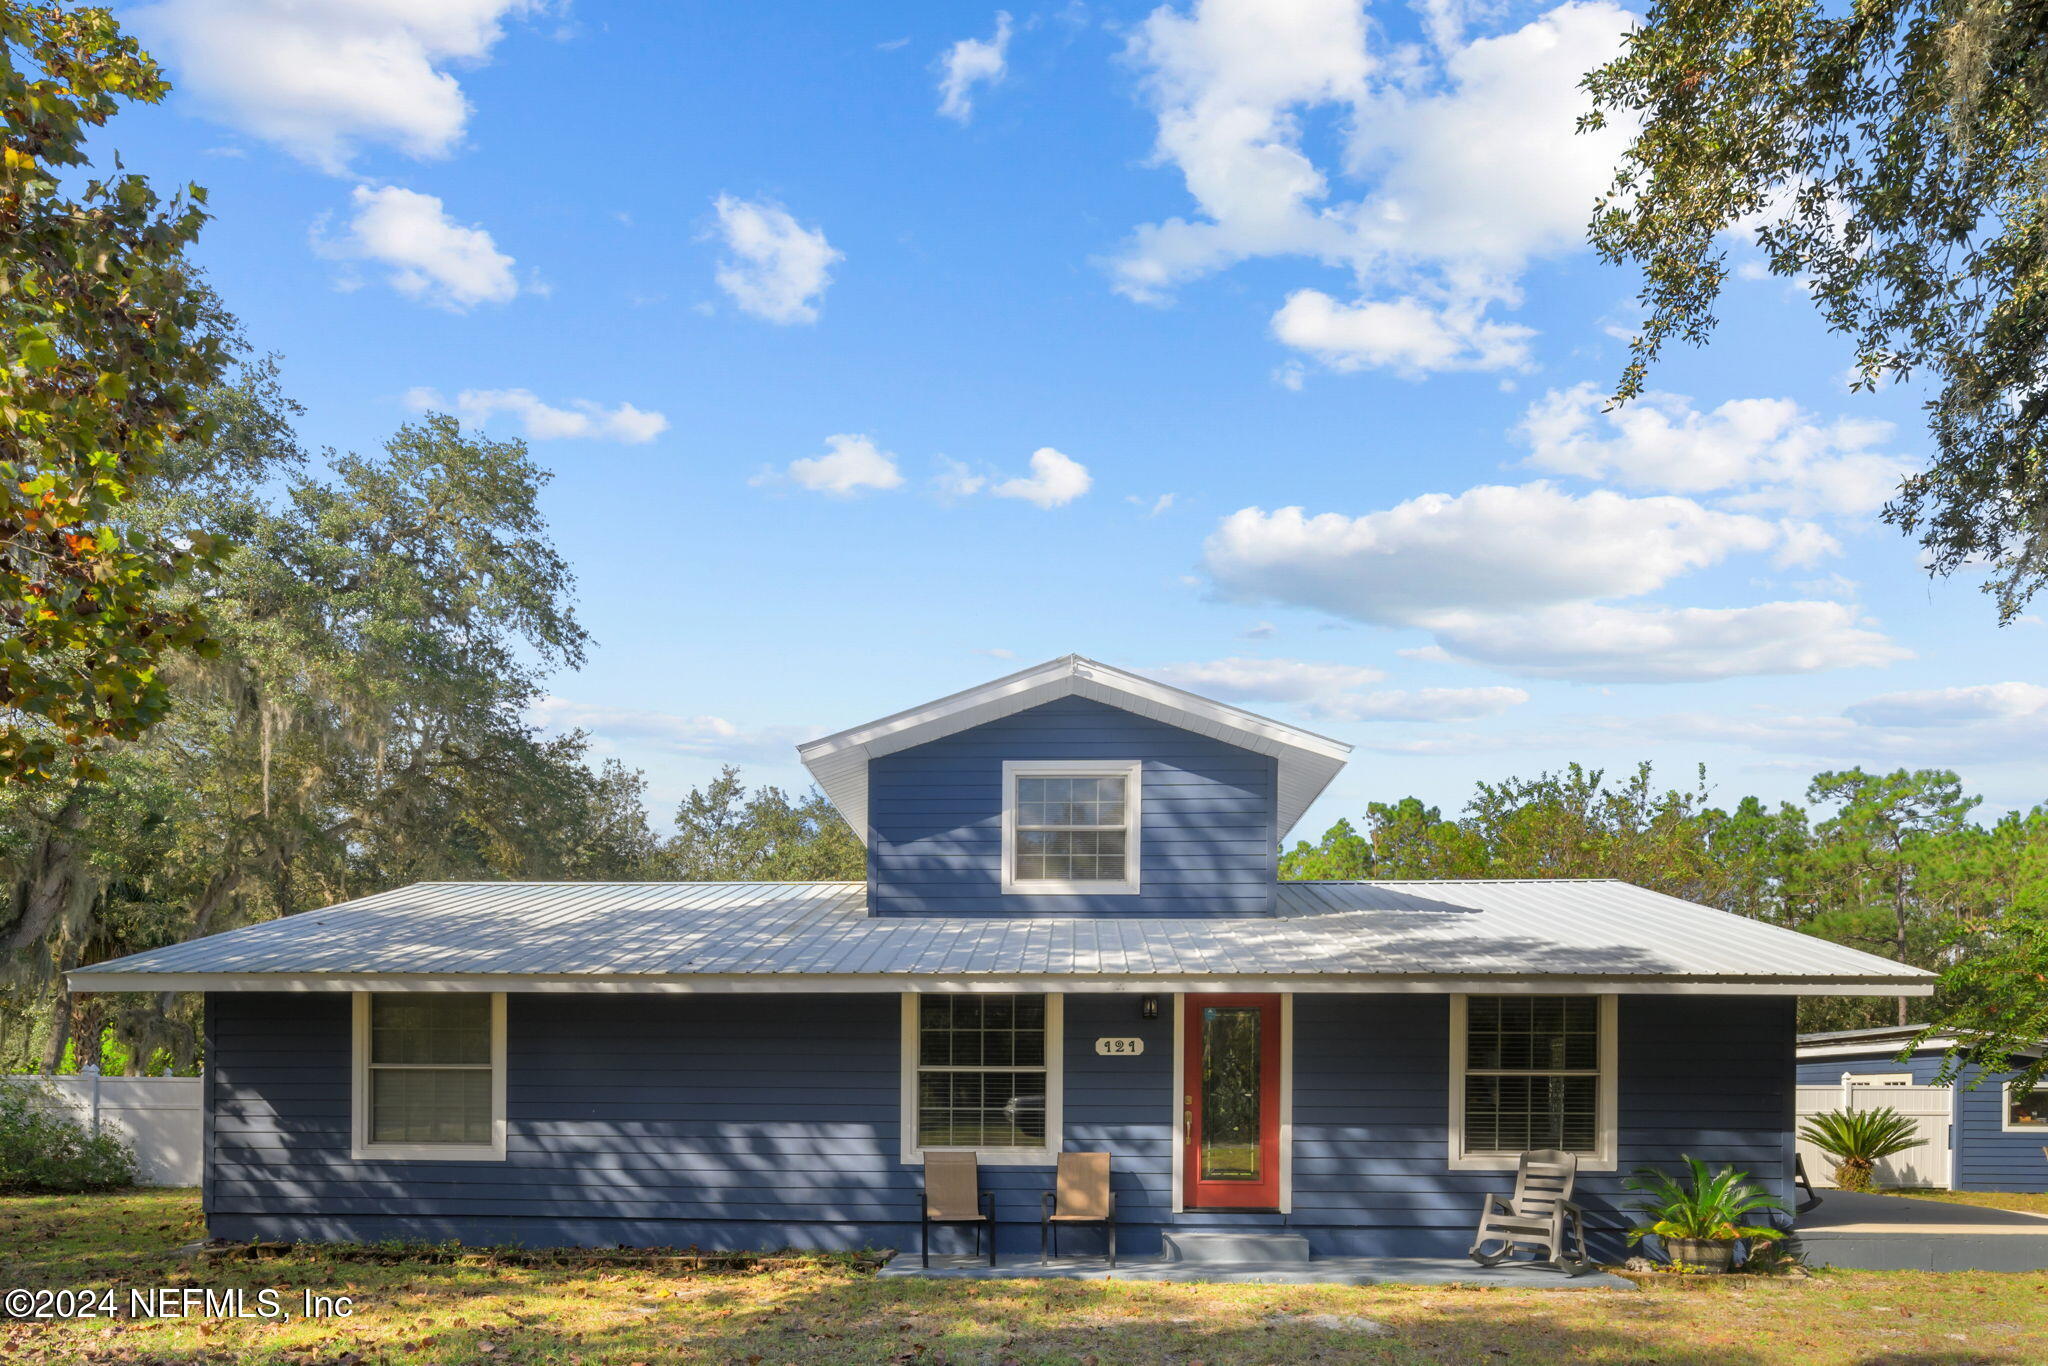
x=1985, y=1157
x=1207, y=818
x=771, y=1121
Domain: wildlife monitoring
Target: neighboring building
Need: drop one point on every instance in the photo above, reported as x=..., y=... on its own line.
x=1997, y=1142
x=1070, y=936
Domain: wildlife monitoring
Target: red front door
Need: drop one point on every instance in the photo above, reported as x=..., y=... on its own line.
x=1230, y=1102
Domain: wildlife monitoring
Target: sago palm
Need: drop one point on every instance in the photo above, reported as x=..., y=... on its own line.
x=1858, y=1140
x=1708, y=1207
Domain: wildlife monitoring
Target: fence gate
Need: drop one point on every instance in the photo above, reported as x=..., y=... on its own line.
x=1930, y=1108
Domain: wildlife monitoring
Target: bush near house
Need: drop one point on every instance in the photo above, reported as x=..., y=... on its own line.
x=1858, y=1140
x=43, y=1148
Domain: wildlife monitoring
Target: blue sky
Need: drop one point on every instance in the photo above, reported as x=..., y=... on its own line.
x=879, y=350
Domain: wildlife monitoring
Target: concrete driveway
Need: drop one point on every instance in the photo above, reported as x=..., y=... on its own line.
x=1895, y=1233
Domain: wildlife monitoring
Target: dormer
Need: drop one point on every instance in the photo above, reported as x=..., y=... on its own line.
x=1073, y=788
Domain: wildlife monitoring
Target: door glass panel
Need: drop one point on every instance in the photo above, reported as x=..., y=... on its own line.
x=1230, y=1093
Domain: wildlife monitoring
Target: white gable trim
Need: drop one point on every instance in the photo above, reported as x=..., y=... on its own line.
x=1308, y=761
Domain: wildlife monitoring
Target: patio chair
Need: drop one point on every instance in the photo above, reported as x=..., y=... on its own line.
x=1536, y=1215
x=953, y=1195
x=1807, y=1198
x=1080, y=1195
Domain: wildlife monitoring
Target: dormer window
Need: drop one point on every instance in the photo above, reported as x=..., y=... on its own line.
x=1071, y=826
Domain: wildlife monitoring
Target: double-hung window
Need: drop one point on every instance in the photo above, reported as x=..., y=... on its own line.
x=1071, y=826
x=430, y=1076
x=982, y=1071
x=1532, y=1072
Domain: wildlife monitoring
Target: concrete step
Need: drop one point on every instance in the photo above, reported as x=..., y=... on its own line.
x=1235, y=1249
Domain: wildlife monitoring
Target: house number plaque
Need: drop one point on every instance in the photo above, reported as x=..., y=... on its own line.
x=1120, y=1048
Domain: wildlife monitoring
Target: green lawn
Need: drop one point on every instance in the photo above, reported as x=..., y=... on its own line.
x=420, y=1311
x=2027, y=1202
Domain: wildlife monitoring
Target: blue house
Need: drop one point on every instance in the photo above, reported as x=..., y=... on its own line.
x=1996, y=1140
x=1070, y=937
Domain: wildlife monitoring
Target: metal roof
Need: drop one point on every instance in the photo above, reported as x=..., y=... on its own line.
x=818, y=936
x=1886, y=1039
x=1308, y=761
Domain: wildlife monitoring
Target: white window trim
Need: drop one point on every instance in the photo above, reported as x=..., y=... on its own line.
x=1179, y=1095
x=1055, y=1090
x=2005, y=1124
x=1133, y=771
x=1604, y=1158
x=360, y=1146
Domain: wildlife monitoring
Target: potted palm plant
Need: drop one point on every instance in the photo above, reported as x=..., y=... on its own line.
x=1857, y=1140
x=1700, y=1222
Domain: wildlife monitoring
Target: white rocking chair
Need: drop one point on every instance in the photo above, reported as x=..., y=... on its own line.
x=1536, y=1215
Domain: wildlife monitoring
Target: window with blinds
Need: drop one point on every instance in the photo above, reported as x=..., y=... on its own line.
x=1532, y=1074
x=427, y=1073
x=1071, y=826
x=981, y=1071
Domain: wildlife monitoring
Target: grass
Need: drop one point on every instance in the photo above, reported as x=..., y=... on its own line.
x=422, y=1310
x=2026, y=1202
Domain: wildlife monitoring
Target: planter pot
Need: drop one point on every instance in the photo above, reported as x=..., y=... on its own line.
x=1711, y=1255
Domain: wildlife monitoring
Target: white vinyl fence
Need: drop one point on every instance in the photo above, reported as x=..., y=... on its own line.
x=1930, y=1108
x=157, y=1116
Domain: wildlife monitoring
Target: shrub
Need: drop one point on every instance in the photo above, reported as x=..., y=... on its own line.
x=1709, y=1206
x=1858, y=1140
x=44, y=1149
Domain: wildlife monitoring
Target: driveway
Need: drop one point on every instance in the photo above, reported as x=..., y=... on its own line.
x=1894, y=1233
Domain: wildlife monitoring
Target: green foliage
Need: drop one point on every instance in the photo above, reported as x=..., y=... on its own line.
x=114, y=346
x=385, y=631
x=1858, y=1140
x=723, y=834
x=1888, y=863
x=44, y=1149
x=1890, y=157
x=1709, y=1206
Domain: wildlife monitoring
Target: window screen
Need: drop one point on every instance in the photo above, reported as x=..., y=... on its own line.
x=1072, y=829
x=429, y=1069
x=981, y=1074
x=1532, y=1073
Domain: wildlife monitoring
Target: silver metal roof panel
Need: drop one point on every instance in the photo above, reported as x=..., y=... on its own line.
x=819, y=936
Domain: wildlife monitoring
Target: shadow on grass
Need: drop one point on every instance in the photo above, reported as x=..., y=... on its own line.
x=417, y=1313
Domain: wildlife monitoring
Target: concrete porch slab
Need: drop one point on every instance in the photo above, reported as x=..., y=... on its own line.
x=1320, y=1271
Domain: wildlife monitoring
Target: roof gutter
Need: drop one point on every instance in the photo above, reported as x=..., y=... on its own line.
x=801, y=983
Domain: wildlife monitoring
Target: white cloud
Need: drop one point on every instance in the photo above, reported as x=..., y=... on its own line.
x=957, y=480
x=1428, y=704
x=775, y=268
x=971, y=62
x=1603, y=643
x=1240, y=679
x=321, y=78
x=540, y=421
x=429, y=255
x=854, y=463
x=1466, y=152
x=1152, y=507
x=1985, y=724
x=1407, y=335
x=1944, y=707
x=1754, y=452
x=1055, y=480
x=1336, y=691
x=1524, y=578
x=1491, y=548
x=711, y=737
